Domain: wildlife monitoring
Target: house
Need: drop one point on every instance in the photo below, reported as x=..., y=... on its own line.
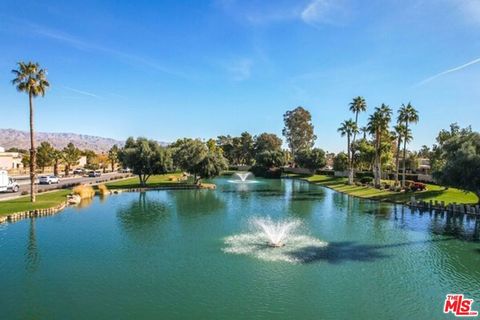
x=10, y=160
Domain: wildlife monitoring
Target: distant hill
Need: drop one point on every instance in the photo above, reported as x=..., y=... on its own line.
x=21, y=139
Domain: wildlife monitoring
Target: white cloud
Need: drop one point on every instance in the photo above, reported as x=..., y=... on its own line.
x=240, y=69
x=469, y=8
x=312, y=12
x=85, y=93
x=319, y=12
x=458, y=68
x=87, y=46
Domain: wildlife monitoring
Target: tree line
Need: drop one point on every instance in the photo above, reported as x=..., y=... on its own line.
x=375, y=150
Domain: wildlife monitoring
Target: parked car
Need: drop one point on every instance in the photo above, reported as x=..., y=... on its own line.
x=48, y=179
x=125, y=170
x=94, y=174
x=78, y=171
x=8, y=183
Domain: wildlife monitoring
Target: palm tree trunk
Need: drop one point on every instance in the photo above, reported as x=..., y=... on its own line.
x=32, y=151
x=378, y=169
x=397, y=160
x=350, y=161
x=404, y=153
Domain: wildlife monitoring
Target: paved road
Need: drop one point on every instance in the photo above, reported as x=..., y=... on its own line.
x=25, y=185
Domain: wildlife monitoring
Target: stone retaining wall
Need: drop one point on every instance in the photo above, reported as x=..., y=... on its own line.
x=12, y=217
x=440, y=205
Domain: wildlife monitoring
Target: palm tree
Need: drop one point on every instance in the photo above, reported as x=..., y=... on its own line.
x=349, y=128
x=364, y=130
x=400, y=133
x=356, y=106
x=406, y=114
x=31, y=79
x=377, y=125
x=57, y=157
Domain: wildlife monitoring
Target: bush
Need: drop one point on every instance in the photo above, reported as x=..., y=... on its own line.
x=84, y=191
x=409, y=183
x=261, y=171
x=366, y=180
x=326, y=172
x=418, y=186
x=360, y=175
x=103, y=190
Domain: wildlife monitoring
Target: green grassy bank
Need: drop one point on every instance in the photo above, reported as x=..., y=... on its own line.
x=44, y=201
x=433, y=192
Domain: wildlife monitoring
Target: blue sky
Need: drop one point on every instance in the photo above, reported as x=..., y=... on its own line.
x=167, y=69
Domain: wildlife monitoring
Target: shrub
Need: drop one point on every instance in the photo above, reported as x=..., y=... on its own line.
x=409, y=183
x=326, y=172
x=261, y=171
x=84, y=191
x=366, y=180
x=418, y=186
x=103, y=190
x=360, y=175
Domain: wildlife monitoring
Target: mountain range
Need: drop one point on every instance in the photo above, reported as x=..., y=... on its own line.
x=10, y=138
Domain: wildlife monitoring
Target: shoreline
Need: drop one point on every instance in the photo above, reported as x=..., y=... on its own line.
x=430, y=205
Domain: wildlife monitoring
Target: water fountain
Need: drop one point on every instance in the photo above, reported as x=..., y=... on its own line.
x=271, y=240
x=243, y=175
x=276, y=232
x=243, y=178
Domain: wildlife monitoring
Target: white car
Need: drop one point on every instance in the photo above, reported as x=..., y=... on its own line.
x=48, y=179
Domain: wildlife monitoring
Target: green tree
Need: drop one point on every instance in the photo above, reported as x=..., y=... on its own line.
x=145, y=158
x=32, y=80
x=461, y=168
x=407, y=114
x=44, y=155
x=312, y=159
x=246, y=149
x=270, y=159
x=212, y=164
x=298, y=130
x=226, y=143
x=71, y=155
x=356, y=106
x=364, y=155
x=267, y=142
x=57, y=157
x=400, y=133
x=340, y=162
x=349, y=128
x=378, y=124
x=197, y=158
x=113, y=156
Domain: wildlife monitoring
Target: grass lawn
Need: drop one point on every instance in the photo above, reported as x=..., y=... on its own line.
x=44, y=200
x=153, y=182
x=433, y=192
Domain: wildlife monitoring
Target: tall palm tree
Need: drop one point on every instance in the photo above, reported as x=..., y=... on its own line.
x=349, y=128
x=364, y=130
x=406, y=114
x=356, y=106
x=400, y=133
x=31, y=79
x=377, y=125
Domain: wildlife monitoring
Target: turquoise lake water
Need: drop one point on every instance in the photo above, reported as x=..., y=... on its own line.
x=188, y=254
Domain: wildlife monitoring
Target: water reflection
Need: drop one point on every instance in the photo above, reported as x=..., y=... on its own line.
x=32, y=256
x=141, y=216
x=197, y=202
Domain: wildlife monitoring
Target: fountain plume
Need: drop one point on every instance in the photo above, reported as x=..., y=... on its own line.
x=243, y=176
